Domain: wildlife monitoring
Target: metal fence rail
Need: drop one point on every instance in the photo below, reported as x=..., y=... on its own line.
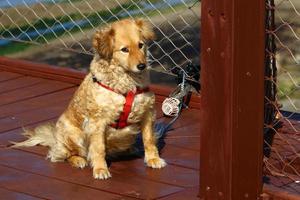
x=282, y=128
x=70, y=24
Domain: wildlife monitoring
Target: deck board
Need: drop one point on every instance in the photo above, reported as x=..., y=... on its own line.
x=18, y=83
x=185, y=137
x=4, y=76
x=9, y=194
x=45, y=87
x=31, y=117
x=126, y=184
x=16, y=134
x=173, y=175
x=47, y=188
x=43, y=101
x=182, y=157
x=28, y=101
x=190, y=194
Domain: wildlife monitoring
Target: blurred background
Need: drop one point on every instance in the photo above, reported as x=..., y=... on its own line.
x=59, y=32
x=287, y=37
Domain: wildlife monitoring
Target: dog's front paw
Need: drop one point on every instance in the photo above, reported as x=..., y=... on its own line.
x=156, y=163
x=101, y=173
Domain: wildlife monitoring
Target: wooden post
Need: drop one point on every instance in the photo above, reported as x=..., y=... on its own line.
x=232, y=81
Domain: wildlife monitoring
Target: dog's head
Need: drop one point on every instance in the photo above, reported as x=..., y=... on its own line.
x=125, y=42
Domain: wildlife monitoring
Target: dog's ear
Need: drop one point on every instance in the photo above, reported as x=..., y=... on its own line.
x=145, y=29
x=103, y=42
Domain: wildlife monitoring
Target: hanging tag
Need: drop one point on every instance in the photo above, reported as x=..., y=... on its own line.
x=170, y=106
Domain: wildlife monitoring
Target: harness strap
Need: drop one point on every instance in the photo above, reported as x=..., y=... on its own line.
x=106, y=87
x=129, y=98
x=122, y=122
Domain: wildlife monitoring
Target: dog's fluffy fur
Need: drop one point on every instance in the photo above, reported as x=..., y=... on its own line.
x=83, y=133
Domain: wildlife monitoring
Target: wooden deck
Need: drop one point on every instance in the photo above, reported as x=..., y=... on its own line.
x=34, y=93
x=28, y=100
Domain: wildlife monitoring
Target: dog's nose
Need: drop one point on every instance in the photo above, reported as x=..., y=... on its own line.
x=141, y=66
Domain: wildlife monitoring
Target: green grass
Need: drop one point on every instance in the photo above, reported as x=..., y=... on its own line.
x=285, y=85
x=14, y=47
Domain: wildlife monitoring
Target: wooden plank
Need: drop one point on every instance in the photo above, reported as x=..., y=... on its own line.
x=186, y=137
x=72, y=76
x=189, y=193
x=232, y=98
x=36, y=150
x=20, y=82
x=175, y=174
x=16, y=134
x=43, y=101
x=7, y=137
x=47, y=188
x=181, y=157
x=41, y=70
x=178, y=164
x=125, y=185
x=187, y=118
x=31, y=117
x=184, y=177
x=177, y=156
x=4, y=76
x=12, y=195
x=172, y=174
x=187, y=130
x=184, y=142
x=43, y=88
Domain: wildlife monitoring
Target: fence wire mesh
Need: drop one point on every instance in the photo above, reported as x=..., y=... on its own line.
x=68, y=25
x=64, y=29
x=282, y=102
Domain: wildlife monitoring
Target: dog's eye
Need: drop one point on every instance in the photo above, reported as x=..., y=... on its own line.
x=125, y=50
x=141, y=45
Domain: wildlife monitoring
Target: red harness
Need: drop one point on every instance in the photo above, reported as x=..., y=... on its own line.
x=122, y=121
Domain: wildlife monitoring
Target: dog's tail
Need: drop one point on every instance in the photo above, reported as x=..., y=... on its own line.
x=41, y=135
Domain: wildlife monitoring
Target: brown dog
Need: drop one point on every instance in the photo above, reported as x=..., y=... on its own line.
x=110, y=107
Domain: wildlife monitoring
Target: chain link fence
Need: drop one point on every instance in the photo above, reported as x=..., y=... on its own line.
x=65, y=27
x=282, y=100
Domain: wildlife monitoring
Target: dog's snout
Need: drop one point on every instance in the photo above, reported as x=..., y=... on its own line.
x=141, y=66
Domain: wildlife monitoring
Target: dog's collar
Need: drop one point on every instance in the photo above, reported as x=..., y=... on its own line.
x=129, y=97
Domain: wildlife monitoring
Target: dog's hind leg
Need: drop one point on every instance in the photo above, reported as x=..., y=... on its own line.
x=68, y=148
x=70, y=144
x=77, y=147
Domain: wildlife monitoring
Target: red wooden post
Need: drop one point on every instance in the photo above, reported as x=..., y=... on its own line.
x=232, y=80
